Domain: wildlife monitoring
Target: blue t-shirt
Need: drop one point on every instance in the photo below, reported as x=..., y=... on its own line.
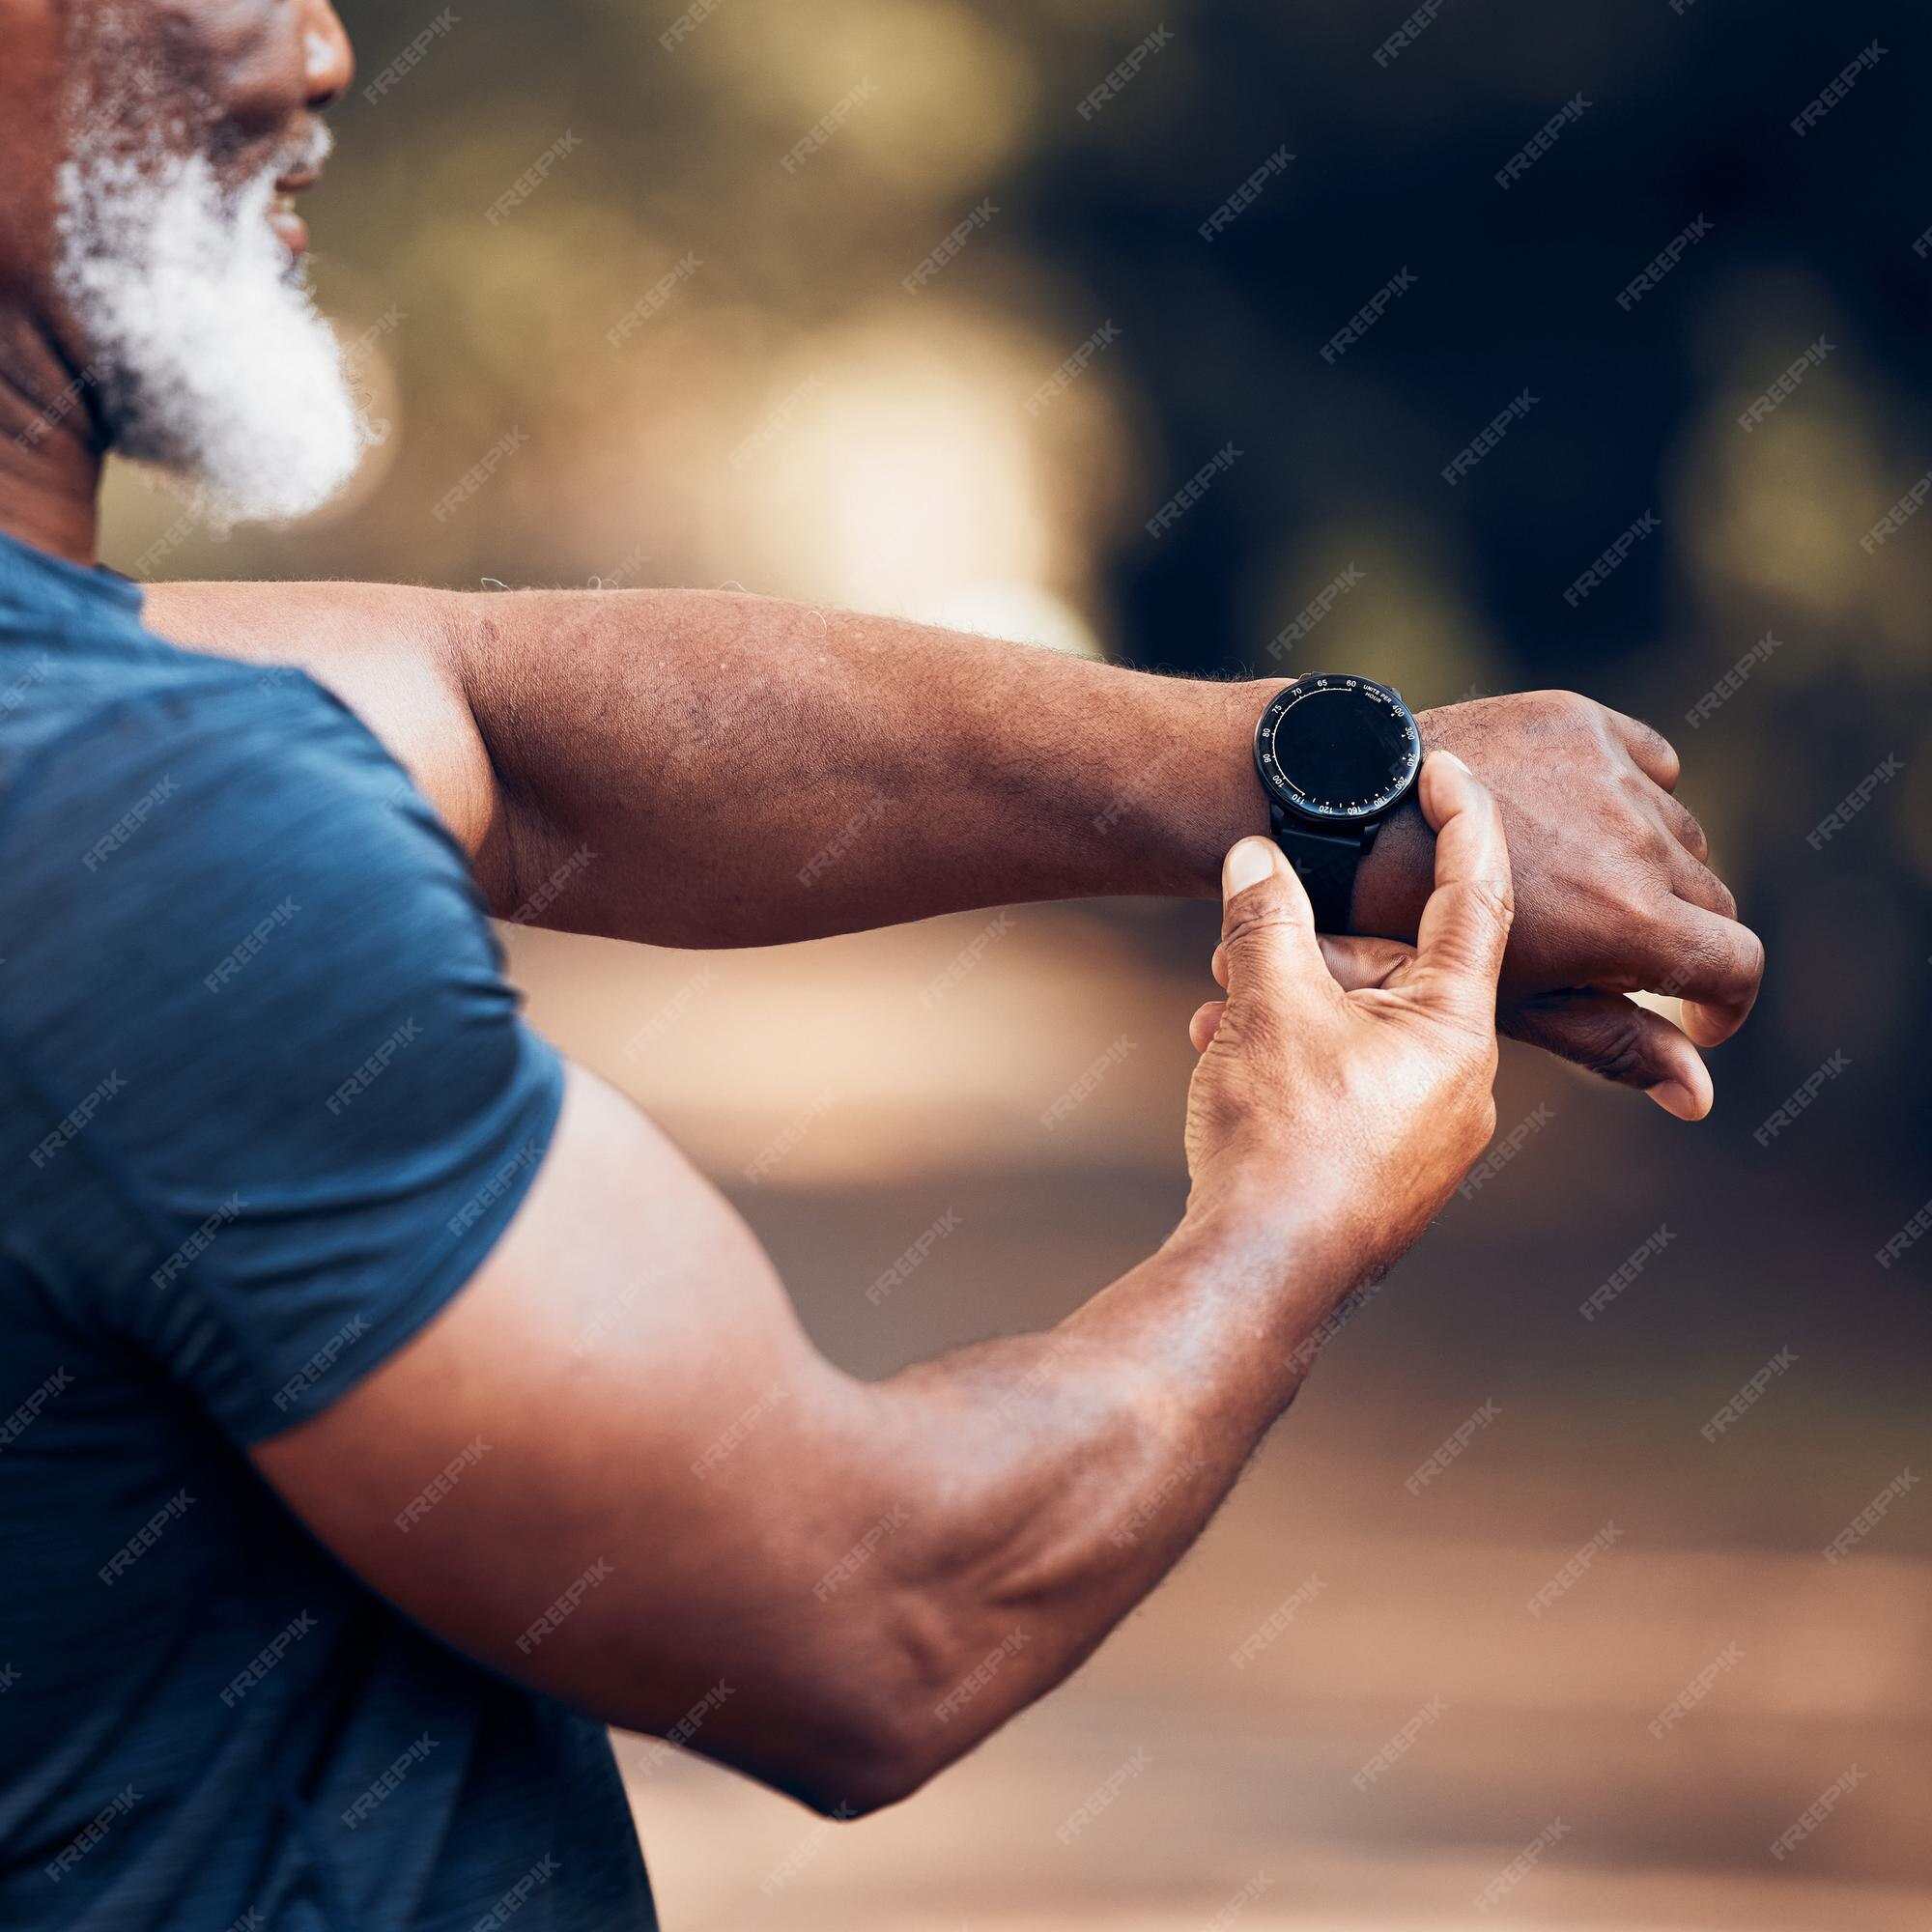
x=266, y=1103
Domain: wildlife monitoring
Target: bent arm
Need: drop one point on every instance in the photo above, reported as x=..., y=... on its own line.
x=839, y=1588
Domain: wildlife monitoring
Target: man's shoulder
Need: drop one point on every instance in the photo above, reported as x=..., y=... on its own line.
x=150, y=826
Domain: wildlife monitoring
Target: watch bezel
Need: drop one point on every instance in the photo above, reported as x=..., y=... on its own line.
x=1289, y=796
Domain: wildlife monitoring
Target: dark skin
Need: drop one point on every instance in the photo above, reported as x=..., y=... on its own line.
x=1042, y=1485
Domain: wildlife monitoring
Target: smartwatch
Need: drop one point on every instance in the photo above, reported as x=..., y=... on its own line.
x=1336, y=755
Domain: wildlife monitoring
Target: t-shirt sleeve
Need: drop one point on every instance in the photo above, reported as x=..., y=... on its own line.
x=284, y=1101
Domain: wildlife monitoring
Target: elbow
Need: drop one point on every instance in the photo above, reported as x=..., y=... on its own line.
x=893, y=1731
x=881, y=1766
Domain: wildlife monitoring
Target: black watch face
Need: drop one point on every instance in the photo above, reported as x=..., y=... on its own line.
x=1337, y=748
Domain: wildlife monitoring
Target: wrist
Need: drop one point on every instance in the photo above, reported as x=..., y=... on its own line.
x=1253, y=1220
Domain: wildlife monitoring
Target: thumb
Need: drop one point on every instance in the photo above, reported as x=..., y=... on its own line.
x=1267, y=926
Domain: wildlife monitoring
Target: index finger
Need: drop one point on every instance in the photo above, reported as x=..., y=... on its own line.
x=1466, y=926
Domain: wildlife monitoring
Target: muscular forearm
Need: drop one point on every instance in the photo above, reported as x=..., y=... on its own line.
x=1048, y=1483
x=747, y=770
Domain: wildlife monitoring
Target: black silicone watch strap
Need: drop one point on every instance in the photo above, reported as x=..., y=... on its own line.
x=1326, y=864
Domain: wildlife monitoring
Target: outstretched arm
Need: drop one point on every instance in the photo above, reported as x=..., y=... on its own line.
x=697, y=768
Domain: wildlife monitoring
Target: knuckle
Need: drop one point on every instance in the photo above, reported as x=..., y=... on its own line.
x=1249, y=925
x=1622, y=1057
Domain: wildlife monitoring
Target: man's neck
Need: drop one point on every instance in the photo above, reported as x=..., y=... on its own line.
x=49, y=453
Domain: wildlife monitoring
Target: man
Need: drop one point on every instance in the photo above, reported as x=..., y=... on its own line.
x=384, y=1405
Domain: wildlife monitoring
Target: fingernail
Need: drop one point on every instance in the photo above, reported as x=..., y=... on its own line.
x=1250, y=862
x=1674, y=1098
x=1452, y=758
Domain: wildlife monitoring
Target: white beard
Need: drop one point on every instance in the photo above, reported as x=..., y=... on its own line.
x=209, y=357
